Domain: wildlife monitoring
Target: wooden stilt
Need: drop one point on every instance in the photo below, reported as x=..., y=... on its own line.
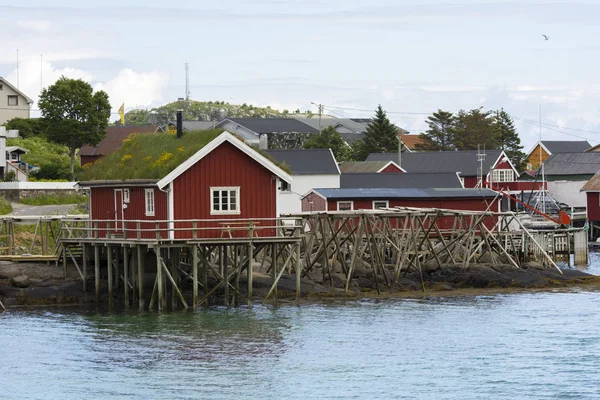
x=224, y=273
x=97, y=270
x=249, y=271
x=117, y=265
x=109, y=256
x=298, y=270
x=64, y=256
x=194, y=250
x=126, y=275
x=140, y=272
x=159, y=279
x=85, y=263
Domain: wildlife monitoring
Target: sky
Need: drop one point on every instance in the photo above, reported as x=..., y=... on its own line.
x=412, y=57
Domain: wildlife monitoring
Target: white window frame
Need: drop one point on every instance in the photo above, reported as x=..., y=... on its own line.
x=503, y=175
x=126, y=196
x=149, y=201
x=227, y=189
x=387, y=204
x=16, y=97
x=345, y=201
x=14, y=156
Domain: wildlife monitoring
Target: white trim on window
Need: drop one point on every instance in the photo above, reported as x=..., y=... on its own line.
x=503, y=175
x=225, y=200
x=345, y=202
x=149, y=200
x=126, y=196
x=384, y=204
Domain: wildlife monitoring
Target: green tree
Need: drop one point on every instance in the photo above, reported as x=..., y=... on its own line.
x=27, y=127
x=507, y=138
x=74, y=114
x=440, y=135
x=329, y=138
x=381, y=136
x=474, y=128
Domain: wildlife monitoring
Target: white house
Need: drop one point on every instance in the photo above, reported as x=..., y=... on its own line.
x=13, y=102
x=10, y=158
x=315, y=168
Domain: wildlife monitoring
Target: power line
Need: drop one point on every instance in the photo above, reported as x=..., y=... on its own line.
x=387, y=112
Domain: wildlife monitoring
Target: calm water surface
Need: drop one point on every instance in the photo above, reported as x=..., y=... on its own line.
x=520, y=346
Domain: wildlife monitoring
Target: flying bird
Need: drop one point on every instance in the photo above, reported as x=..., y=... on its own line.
x=546, y=37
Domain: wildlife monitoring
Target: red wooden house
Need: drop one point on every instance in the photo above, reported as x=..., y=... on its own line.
x=372, y=199
x=227, y=187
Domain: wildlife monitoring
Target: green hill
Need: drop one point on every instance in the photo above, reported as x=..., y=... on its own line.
x=203, y=111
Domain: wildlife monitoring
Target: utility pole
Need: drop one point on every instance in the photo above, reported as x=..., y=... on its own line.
x=17, y=68
x=187, y=82
x=320, y=114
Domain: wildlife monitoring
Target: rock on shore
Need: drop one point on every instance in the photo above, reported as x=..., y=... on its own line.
x=35, y=283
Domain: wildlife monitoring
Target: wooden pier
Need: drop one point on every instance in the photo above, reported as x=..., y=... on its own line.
x=179, y=264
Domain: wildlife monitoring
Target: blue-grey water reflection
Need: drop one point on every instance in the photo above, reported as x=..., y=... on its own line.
x=519, y=346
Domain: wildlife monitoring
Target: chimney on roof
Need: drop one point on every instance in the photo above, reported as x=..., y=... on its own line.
x=179, y=124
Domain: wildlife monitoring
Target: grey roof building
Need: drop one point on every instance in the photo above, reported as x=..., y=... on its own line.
x=566, y=146
x=307, y=162
x=350, y=167
x=197, y=125
x=414, y=180
x=272, y=125
x=572, y=164
x=405, y=193
x=464, y=162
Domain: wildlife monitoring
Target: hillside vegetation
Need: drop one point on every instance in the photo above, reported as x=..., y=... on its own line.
x=150, y=156
x=204, y=111
x=51, y=158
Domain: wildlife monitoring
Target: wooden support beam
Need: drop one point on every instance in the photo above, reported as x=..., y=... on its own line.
x=109, y=257
x=175, y=288
x=140, y=272
x=85, y=265
x=126, y=275
x=249, y=271
x=159, y=279
x=97, y=271
x=194, y=251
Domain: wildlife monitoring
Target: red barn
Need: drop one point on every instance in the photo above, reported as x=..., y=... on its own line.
x=592, y=191
x=371, y=199
x=227, y=187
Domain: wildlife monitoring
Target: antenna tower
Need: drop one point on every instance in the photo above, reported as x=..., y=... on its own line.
x=480, y=160
x=187, y=81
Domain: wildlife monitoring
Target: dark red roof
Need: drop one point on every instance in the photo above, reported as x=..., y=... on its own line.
x=114, y=139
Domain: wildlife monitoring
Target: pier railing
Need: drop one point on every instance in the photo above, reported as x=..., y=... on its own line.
x=187, y=229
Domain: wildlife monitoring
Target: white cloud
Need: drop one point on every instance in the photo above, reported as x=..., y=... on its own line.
x=38, y=25
x=141, y=89
x=128, y=86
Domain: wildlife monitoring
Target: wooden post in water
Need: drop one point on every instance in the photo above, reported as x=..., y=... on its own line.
x=117, y=262
x=85, y=262
x=274, y=267
x=298, y=270
x=249, y=271
x=224, y=273
x=126, y=275
x=97, y=271
x=64, y=256
x=159, y=279
x=580, y=247
x=194, y=250
x=140, y=271
x=109, y=257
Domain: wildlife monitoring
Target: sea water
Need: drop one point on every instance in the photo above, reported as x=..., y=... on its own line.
x=543, y=345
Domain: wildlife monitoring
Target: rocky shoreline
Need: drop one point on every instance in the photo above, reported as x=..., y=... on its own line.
x=26, y=284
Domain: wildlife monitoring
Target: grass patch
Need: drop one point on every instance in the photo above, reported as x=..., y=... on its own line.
x=150, y=156
x=54, y=199
x=5, y=206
